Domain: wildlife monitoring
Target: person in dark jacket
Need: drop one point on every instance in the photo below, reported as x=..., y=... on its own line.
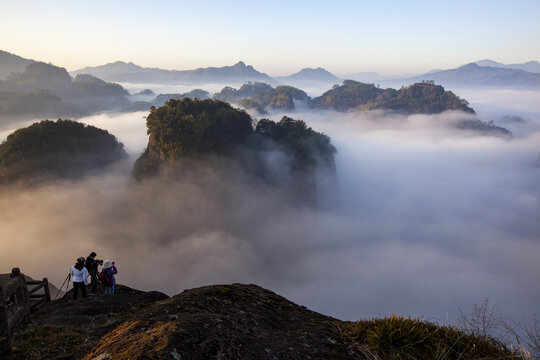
x=92, y=267
x=108, y=272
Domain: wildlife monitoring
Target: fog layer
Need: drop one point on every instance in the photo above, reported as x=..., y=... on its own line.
x=427, y=219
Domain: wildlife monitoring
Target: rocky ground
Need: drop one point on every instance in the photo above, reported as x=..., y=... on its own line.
x=230, y=322
x=67, y=329
x=214, y=322
x=224, y=322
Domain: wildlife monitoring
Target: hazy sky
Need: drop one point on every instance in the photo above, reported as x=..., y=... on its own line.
x=278, y=37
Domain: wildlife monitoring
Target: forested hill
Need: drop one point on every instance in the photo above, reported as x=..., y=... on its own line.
x=45, y=90
x=39, y=75
x=197, y=129
x=419, y=98
x=194, y=128
x=350, y=95
x=56, y=149
x=260, y=96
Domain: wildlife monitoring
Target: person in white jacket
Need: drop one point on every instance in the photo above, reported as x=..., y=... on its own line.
x=79, y=274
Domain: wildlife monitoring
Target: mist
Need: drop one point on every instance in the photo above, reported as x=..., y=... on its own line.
x=427, y=219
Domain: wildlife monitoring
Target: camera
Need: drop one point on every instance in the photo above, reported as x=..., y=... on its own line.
x=100, y=262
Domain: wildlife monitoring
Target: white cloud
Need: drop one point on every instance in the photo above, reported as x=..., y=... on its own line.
x=428, y=219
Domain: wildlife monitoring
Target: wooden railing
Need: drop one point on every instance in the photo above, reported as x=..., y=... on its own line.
x=16, y=302
x=38, y=299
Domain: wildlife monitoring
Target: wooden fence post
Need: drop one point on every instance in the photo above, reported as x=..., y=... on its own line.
x=21, y=294
x=5, y=336
x=47, y=291
x=16, y=292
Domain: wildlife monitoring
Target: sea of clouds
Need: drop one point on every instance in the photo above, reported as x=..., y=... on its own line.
x=425, y=219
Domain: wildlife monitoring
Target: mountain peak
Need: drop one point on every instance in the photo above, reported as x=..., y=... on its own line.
x=318, y=69
x=470, y=66
x=488, y=62
x=120, y=63
x=318, y=74
x=240, y=64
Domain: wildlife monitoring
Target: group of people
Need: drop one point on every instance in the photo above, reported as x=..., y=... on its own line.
x=84, y=268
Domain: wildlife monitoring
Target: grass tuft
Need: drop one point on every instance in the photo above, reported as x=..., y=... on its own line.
x=400, y=338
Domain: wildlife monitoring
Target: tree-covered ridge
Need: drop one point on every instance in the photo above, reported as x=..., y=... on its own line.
x=260, y=96
x=308, y=147
x=351, y=94
x=232, y=95
x=57, y=148
x=195, y=128
x=419, y=98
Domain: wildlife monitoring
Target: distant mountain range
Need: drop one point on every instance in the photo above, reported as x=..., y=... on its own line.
x=10, y=63
x=239, y=73
x=481, y=73
x=129, y=72
x=475, y=75
x=530, y=66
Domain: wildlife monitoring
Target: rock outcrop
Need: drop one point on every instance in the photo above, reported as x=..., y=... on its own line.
x=224, y=322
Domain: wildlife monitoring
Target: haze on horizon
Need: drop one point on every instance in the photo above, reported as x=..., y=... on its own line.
x=278, y=38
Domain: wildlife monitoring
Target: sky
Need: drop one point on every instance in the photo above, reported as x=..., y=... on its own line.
x=276, y=37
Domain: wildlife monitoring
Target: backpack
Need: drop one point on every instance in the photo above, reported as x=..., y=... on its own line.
x=104, y=278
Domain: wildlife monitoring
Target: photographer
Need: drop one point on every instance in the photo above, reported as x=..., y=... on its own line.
x=92, y=267
x=108, y=271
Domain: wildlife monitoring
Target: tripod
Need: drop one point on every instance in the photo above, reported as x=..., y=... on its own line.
x=68, y=278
